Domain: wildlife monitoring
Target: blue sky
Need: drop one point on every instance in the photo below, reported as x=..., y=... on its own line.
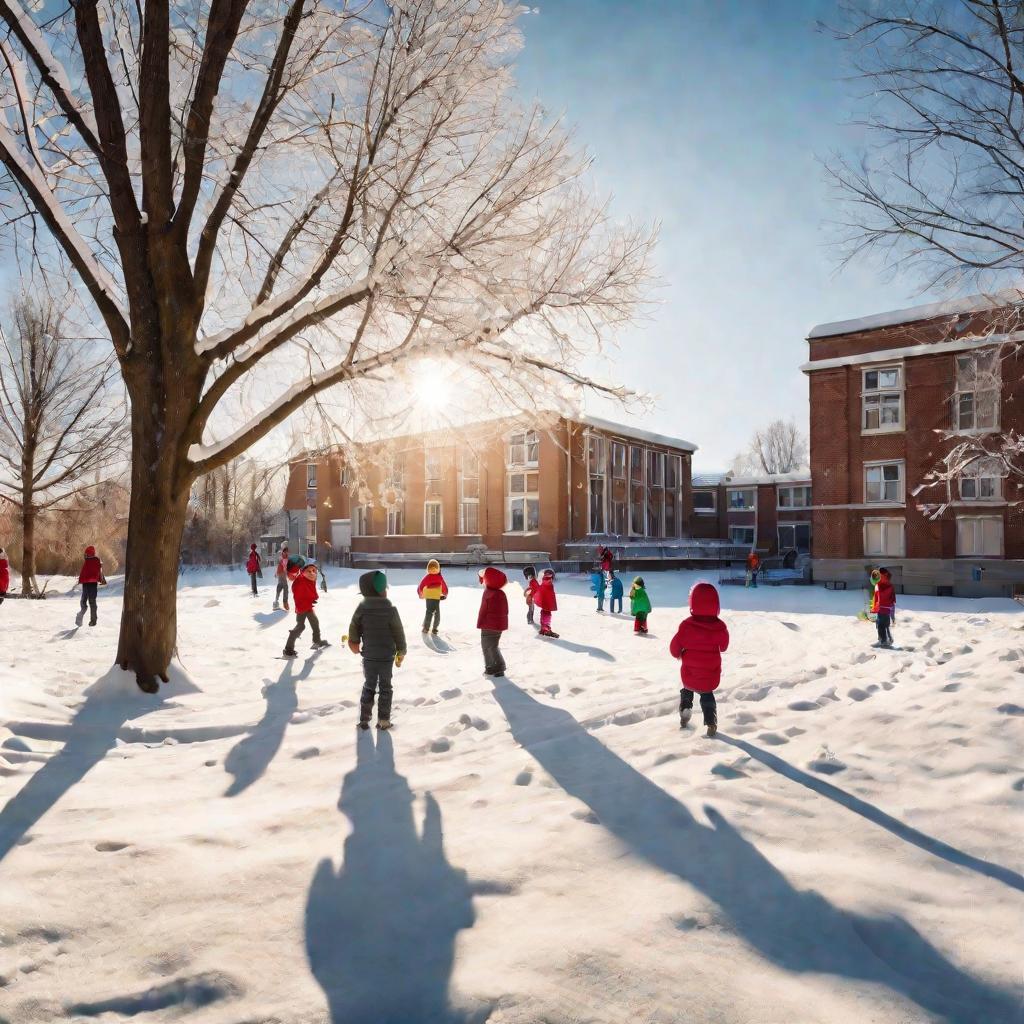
x=713, y=118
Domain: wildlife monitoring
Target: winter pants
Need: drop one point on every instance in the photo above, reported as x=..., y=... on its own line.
x=252, y=580
x=301, y=618
x=376, y=679
x=615, y=605
x=529, y=613
x=545, y=619
x=882, y=622
x=433, y=614
x=281, y=593
x=708, y=705
x=89, y=598
x=494, y=663
x=640, y=623
x=600, y=600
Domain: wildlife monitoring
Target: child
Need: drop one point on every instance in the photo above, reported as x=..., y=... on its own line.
x=699, y=643
x=607, y=559
x=90, y=577
x=281, y=580
x=639, y=606
x=493, y=619
x=5, y=575
x=753, y=567
x=616, y=598
x=305, y=595
x=376, y=633
x=532, y=586
x=253, y=567
x=547, y=602
x=597, y=585
x=883, y=604
x=433, y=590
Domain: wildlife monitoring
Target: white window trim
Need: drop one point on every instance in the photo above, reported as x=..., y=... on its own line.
x=901, y=391
x=440, y=518
x=316, y=475
x=511, y=466
x=751, y=542
x=713, y=511
x=779, y=507
x=630, y=484
x=883, y=554
x=526, y=532
x=746, y=508
x=792, y=525
x=958, y=431
x=886, y=503
x=980, y=518
x=387, y=522
x=606, y=475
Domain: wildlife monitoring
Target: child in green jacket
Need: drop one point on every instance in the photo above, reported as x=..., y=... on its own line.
x=639, y=606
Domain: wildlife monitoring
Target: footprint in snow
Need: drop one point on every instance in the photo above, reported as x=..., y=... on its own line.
x=305, y=755
x=1010, y=709
x=804, y=705
x=440, y=745
x=792, y=625
x=858, y=694
x=1019, y=785
x=471, y=721
x=212, y=603
x=757, y=694
x=727, y=771
x=665, y=758
x=826, y=766
x=773, y=739
x=951, y=687
x=109, y=846
x=744, y=717
x=524, y=778
x=450, y=694
x=554, y=689
x=588, y=816
x=795, y=730
x=1011, y=655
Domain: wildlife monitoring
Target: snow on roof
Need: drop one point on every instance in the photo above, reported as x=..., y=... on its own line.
x=636, y=433
x=969, y=304
x=797, y=476
x=709, y=479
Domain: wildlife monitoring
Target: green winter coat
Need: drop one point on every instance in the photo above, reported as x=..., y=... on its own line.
x=639, y=602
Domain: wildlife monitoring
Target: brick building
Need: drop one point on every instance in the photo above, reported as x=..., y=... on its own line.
x=889, y=397
x=518, y=490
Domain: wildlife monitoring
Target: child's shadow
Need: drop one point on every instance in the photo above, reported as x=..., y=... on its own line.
x=593, y=652
x=266, y=619
x=66, y=634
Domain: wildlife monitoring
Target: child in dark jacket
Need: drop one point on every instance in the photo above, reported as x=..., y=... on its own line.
x=883, y=604
x=433, y=590
x=530, y=591
x=5, y=575
x=597, y=586
x=304, y=595
x=547, y=602
x=493, y=619
x=90, y=576
x=254, y=567
x=639, y=605
x=376, y=633
x=615, y=604
x=699, y=644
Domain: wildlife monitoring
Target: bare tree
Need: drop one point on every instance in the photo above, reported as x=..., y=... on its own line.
x=780, y=447
x=269, y=198
x=62, y=422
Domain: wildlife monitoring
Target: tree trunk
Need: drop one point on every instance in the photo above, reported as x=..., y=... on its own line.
x=28, y=550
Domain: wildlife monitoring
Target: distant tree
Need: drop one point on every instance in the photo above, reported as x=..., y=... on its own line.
x=780, y=447
x=62, y=419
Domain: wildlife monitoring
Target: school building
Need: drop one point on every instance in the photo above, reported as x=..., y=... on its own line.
x=890, y=396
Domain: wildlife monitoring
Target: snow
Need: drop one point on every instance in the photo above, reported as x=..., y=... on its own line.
x=545, y=848
x=637, y=433
x=909, y=351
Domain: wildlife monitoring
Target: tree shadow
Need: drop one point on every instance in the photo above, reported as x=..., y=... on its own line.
x=267, y=619
x=569, y=645
x=381, y=929
x=798, y=930
x=866, y=810
x=249, y=759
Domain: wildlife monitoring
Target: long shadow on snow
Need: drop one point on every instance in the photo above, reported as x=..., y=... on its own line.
x=265, y=619
x=248, y=759
x=798, y=930
x=898, y=828
x=570, y=645
x=180, y=994
x=381, y=930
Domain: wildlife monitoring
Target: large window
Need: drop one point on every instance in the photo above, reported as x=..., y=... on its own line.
x=396, y=522
x=882, y=399
x=673, y=495
x=597, y=468
x=432, y=519
x=794, y=497
x=311, y=535
x=522, y=503
x=620, y=490
x=655, y=493
x=883, y=482
x=742, y=499
x=705, y=502
x=795, y=535
x=982, y=481
x=884, y=538
x=979, y=536
x=432, y=468
x=524, y=448
x=394, y=473
x=310, y=476
x=978, y=382
x=742, y=535
x=637, y=492
x=361, y=521
x=469, y=493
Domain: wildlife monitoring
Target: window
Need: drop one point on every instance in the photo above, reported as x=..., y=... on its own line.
x=361, y=521
x=883, y=482
x=882, y=399
x=795, y=535
x=469, y=518
x=979, y=536
x=742, y=499
x=524, y=449
x=432, y=467
x=394, y=473
x=396, y=524
x=673, y=495
x=982, y=480
x=310, y=476
x=637, y=493
x=522, y=503
x=597, y=466
x=742, y=535
x=795, y=497
x=432, y=519
x=311, y=535
x=343, y=475
x=704, y=502
x=655, y=493
x=978, y=381
x=883, y=538
x=619, y=507
x=469, y=493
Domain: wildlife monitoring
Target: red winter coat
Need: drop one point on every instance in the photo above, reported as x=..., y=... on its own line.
x=545, y=598
x=700, y=641
x=884, y=597
x=253, y=565
x=92, y=567
x=753, y=561
x=494, y=603
x=435, y=586
x=5, y=575
x=606, y=560
x=531, y=591
x=304, y=594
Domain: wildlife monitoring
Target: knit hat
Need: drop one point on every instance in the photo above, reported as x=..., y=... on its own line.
x=433, y=566
x=373, y=584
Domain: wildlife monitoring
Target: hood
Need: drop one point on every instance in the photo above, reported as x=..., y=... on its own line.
x=296, y=562
x=529, y=572
x=433, y=566
x=90, y=552
x=704, y=600
x=493, y=579
x=638, y=581
x=373, y=584
x=252, y=547
x=885, y=574
x=549, y=575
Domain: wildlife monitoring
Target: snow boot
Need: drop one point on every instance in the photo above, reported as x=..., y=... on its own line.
x=685, y=714
x=712, y=724
x=425, y=631
x=362, y=725
x=319, y=645
x=383, y=723
x=92, y=622
x=548, y=632
x=80, y=617
x=276, y=607
x=289, y=654
x=433, y=632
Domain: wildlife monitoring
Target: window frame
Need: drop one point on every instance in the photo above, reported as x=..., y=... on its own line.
x=439, y=505
x=398, y=513
x=792, y=487
x=361, y=520
x=733, y=530
x=885, y=522
x=601, y=444
x=432, y=459
x=712, y=493
x=311, y=476
x=526, y=444
x=880, y=392
x=975, y=521
x=881, y=464
x=729, y=491
x=974, y=391
x=794, y=526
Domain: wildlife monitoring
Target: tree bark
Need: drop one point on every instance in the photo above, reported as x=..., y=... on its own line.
x=28, y=549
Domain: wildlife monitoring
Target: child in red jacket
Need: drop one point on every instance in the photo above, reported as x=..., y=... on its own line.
x=493, y=619
x=91, y=576
x=530, y=591
x=547, y=602
x=304, y=595
x=699, y=643
x=254, y=567
x=433, y=590
x=883, y=604
x=5, y=575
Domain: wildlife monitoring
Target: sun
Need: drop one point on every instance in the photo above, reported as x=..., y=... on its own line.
x=431, y=383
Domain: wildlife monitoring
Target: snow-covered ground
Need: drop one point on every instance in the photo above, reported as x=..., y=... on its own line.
x=547, y=848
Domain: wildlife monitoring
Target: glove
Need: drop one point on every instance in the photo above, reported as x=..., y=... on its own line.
x=399, y=658
x=444, y=597
x=353, y=646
